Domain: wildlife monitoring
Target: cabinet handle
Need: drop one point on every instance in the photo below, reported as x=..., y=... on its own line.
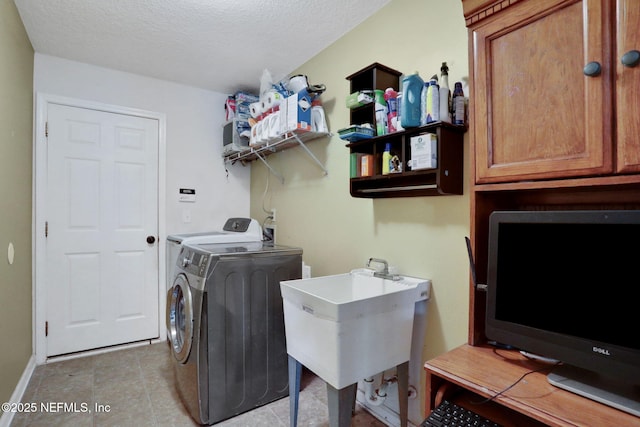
x=631, y=58
x=151, y=240
x=592, y=69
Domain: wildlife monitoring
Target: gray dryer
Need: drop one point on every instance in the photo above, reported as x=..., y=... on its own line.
x=226, y=326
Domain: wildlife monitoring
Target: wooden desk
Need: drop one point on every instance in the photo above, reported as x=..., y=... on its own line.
x=468, y=375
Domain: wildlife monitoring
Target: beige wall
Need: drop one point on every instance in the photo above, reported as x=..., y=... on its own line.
x=16, y=112
x=422, y=236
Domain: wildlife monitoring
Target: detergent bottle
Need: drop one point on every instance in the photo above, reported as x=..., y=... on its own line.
x=386, y=159
x=411, y=91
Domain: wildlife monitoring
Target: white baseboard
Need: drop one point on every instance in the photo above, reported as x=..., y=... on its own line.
x=18, y=392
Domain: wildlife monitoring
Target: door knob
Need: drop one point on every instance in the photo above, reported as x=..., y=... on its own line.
x=151, y=240
x=631, y=58
x=592, y=69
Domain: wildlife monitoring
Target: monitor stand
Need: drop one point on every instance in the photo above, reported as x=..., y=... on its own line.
x=591, y=385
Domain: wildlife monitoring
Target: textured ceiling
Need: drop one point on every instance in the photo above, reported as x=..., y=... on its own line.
x=221, y=45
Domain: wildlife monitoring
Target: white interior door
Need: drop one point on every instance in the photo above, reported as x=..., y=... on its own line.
x=102, y=204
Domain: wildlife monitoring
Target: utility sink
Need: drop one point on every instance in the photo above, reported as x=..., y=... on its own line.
x=347, y=327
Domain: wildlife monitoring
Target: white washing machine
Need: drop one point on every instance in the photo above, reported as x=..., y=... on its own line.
x=235, y=230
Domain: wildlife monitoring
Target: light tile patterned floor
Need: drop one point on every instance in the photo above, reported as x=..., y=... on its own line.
x=138, y=385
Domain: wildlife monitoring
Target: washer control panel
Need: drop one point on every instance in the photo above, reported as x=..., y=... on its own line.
x=193, y=262
x=239, y=225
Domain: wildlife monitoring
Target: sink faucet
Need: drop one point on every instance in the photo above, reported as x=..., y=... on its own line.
x=385, y=272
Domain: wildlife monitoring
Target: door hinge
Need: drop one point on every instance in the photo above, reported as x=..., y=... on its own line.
x=46, y=229
x=46, y=329
x=46, y=129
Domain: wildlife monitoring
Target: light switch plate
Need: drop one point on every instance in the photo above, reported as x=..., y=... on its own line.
x=186, y=216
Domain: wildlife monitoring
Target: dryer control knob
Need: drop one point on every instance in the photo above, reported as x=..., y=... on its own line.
x=185, y=262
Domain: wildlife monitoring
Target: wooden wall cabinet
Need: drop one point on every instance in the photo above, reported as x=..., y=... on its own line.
x=537, y=114
x=627, y=85
x=543, y=134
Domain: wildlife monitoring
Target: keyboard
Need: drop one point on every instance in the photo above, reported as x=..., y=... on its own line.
x=451, y=415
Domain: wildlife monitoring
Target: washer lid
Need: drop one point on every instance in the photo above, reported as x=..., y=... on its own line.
x=234, y=230
x=244, y=248
x=179, y=238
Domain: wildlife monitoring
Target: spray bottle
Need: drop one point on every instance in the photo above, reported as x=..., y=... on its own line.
x=445, y=94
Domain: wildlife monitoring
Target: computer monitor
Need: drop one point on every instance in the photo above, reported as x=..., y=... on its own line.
x=566, y=285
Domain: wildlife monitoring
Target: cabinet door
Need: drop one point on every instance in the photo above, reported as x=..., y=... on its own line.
x=536, y=115
x=628, y=87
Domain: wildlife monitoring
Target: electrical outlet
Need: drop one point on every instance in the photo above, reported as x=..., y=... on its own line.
x=273, y=214
x=270, y=232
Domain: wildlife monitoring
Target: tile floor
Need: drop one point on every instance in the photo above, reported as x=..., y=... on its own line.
x=138, y=386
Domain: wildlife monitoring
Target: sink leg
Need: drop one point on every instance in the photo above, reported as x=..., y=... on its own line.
x=402, y=371
x=295, y=372
x=341, y=403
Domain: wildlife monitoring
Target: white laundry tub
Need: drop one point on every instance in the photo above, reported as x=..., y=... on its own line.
x=347, y=327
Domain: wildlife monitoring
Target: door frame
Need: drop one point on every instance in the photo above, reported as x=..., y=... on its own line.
x=39, y=284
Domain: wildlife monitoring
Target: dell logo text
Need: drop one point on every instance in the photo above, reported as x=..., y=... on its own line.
x=601, y=351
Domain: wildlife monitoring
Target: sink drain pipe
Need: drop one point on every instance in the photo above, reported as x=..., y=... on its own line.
x=378, y=396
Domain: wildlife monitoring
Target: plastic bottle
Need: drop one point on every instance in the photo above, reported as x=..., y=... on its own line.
x=391, y=96
x=318, y=118
x=410, y=108
x=381, y=112
x=423, y=103
x=433, y=102
x=399, y=118
x=458, y=104
x=386, y=159
x=445, y=94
